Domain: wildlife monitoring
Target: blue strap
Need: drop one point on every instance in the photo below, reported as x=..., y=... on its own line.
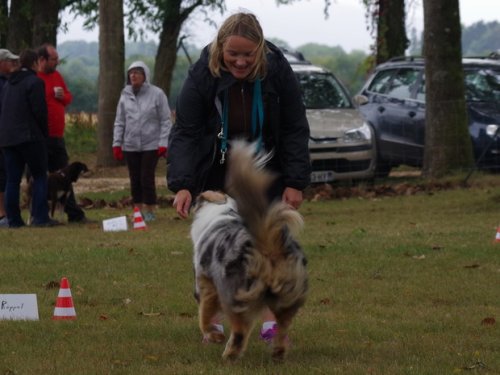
x=223, y=132
x=257, y=119
x=257, y=113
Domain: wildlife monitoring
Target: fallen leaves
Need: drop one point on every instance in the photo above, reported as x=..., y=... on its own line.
x=150, y=314
x=474, y=265
x=322, y=192
x=489, y=321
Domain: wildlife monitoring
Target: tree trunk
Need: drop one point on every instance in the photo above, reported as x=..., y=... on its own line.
x=20, y=33
x=45, y=22
x=111, y=75
x=4, y=21
x=447, y=141
x=391, y=30
x=166, y=54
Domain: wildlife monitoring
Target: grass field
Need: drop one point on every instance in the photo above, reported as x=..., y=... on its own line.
x=399, y=285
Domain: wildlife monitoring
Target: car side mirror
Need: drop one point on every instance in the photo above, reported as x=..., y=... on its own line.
x=360, y=99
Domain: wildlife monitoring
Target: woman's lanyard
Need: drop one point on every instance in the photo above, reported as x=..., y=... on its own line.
x=257, y=119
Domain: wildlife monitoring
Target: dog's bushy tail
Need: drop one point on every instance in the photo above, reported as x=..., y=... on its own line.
x=248, y=182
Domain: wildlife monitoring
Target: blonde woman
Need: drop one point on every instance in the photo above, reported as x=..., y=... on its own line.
x=241, y=87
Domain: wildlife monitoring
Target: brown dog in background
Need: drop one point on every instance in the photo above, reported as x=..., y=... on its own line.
x=59, y=184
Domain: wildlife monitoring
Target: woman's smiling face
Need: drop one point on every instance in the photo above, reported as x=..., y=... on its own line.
x=239, y=56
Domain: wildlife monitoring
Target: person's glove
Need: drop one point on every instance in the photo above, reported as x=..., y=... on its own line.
x=162, y=151
x=118, y=153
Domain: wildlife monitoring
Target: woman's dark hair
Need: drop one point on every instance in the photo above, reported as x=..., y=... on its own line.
x=27, y=58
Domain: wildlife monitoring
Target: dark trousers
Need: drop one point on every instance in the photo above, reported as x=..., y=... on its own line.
x=57, y=159
x=141, y=170
x=3, y=176
x=34, y=155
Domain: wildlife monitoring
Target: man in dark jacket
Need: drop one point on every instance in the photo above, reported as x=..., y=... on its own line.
x=8, y=64
x=23, y=131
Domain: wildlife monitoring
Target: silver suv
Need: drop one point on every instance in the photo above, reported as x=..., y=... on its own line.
x=341, y=143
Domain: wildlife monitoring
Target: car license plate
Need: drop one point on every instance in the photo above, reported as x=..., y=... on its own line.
x=321, y=176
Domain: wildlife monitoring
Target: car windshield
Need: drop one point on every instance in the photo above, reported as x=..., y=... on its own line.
x=482, y=85
x=322, y=91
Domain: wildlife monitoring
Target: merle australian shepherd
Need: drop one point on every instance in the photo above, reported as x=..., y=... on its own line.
x=245, y=255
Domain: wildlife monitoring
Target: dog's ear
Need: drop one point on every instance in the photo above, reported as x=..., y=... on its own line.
x=215, y=197
x=209, y=196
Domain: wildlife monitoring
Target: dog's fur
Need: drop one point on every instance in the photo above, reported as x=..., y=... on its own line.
x=59, y=184
x=245, y=256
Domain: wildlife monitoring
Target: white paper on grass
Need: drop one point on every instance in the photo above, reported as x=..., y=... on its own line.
x=115, y=224
x=18, y=307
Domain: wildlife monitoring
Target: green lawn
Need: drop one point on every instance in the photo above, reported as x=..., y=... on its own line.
x=398, y=285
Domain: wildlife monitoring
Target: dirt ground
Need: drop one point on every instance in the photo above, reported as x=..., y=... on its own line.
x=403, y=183
x=110, y=179
x=92, y=184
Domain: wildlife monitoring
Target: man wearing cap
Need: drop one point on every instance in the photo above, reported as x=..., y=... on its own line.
x=8, y=64
x=58, y=97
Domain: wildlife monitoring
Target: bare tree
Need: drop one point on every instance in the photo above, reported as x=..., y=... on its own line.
x=4, y=21
x=447, y=142
x=45, y=21
x=29, y=23
x=20, y=25
x=391, y=30
x=387, y=20
x=111, y=75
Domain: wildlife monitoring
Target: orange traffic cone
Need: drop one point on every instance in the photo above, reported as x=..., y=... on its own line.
x=138, y=220
x=497, y=237
x=64, y=309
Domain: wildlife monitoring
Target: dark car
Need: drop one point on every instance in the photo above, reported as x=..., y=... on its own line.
x=393, y=102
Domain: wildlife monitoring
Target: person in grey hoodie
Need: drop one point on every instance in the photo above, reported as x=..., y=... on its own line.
x=141, y=130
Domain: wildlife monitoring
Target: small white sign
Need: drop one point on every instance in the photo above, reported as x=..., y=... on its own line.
x=18, y=307
x=115, y=224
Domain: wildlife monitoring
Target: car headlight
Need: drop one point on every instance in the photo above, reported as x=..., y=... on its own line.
x=362, y=133
x=492, y=130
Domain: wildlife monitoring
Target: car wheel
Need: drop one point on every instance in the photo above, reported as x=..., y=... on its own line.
x=382, y=169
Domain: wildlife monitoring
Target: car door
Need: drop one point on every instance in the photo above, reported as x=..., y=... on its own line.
x=398, y=130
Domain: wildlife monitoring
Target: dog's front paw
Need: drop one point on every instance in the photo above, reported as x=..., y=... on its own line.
x=231, y=354
x=214, y=337
x=278, y=353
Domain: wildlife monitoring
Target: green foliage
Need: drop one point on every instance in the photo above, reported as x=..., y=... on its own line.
x=80, y=134
x=480, y=39
x=398, y=285
x=81, y=63
x=348, y=67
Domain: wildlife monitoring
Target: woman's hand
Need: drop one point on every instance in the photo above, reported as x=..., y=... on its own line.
x=182, y=202
x=118, y=153
x=292, y=197
x=162, y=152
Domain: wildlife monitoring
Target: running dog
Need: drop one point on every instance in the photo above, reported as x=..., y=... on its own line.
x=245, y=255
